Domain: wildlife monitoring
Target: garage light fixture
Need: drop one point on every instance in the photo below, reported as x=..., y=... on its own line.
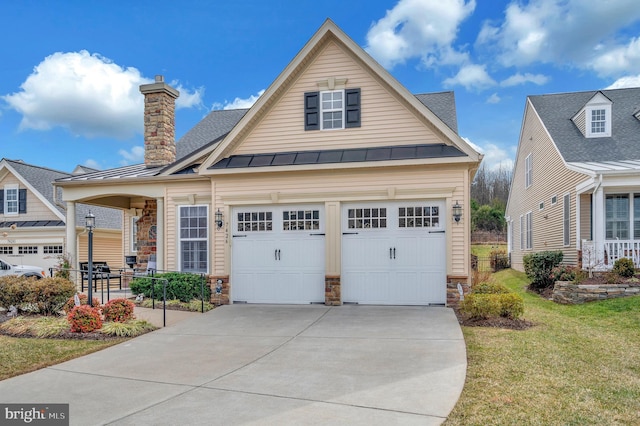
x=457, y=212
x=219, y=219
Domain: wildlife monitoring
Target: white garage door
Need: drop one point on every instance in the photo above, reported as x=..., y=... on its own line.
x=278, y=254
x=394, y=253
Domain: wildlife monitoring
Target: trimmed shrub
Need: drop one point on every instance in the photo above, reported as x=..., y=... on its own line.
x=71, y=303
x=539, y=267
x=84, y=319
x=118, y=310
x=484, y=306
x=624, y=267
x=184, y=287
x=46, y=296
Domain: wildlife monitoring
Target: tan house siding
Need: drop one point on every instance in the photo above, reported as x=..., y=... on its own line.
x=585, y=217
x=192, y=193
x=581, y=122
x=547, y=228
x=384, y=119
x=36, y=209
x=107, y=247
x=449, y=183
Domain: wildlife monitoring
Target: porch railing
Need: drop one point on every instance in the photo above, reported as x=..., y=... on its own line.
x=612, y=250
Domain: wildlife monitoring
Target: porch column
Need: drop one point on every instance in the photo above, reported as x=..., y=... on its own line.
x=72, y=246
x=160, y=233
x=598, y=226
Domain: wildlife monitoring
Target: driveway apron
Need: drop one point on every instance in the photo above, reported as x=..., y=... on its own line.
x=267, y=364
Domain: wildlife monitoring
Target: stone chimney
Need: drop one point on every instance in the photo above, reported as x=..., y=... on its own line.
x=159, y=123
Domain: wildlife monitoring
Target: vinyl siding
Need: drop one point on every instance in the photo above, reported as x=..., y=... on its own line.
x=179, y=195
x=36, y=209
x=581, y=122
x=585, y=217
x=107, y=247
x=384, y=119
x=331, y=187
x=550, y=177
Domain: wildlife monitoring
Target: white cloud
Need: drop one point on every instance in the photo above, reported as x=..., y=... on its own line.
x=239, y=103
x=493, y=99
x=135, y=155
x=188, y=99
x=518, y=79
x=472, y=77
x=618, y=59
x=85, y=93
x=627, y=81
x=423, y=29
x=495, y=157
x=571, y=32
x=92, y=164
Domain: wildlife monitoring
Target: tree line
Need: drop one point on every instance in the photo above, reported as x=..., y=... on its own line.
x=489, y=195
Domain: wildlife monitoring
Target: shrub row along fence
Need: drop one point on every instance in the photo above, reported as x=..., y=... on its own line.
x=493, y=263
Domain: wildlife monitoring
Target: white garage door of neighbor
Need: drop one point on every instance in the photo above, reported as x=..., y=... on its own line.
x=394, y=253
x=278, y=254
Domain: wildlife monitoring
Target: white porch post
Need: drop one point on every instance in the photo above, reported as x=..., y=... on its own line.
x=160, y=234
x=72, y=246
x=598, y=226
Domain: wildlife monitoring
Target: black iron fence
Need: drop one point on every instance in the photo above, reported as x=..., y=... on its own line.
x=493, y=263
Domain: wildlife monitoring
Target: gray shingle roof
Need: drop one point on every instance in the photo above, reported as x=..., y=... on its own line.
x=42, y=178
x=556, y=111
x=443, y=105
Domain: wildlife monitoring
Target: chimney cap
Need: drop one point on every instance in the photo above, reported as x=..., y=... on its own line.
x=159, y=78
x=159, y=86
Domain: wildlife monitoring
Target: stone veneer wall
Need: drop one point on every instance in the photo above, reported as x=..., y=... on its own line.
x=332, y=294
x=453, y=295
x=568, y=293
x=146, y=246
x=223, y=298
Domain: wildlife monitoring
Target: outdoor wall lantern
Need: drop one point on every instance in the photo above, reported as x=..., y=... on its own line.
x=219, y=219
x=457, y=212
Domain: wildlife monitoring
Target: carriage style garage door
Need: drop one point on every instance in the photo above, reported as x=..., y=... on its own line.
x=278, y=254
x=394, y=253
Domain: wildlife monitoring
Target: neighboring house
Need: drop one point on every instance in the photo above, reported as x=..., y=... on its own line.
x=32, y=221
x=576, y=182
x=337, y=186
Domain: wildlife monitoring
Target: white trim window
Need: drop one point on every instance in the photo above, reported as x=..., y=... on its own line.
x=528, y=171
x=332, y=109
x=529, y=225
x=566, y=220
x=193, y=238
x=134, y=234
x=523, y=233
x=617, y=217
x=598, y=121
x=11, y=199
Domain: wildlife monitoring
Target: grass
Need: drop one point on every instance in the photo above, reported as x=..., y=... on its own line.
x=22, y=355
x=580, y=365
x=484, y=250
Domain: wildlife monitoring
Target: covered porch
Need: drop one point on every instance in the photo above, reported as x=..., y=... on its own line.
x=608, y=215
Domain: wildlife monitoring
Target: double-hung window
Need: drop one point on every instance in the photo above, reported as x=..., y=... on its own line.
x=11, y=199
x=528, y=172
x=598, y=121
x=529, y=217
x=332, y=109
x=194, y=242
x=617, y=217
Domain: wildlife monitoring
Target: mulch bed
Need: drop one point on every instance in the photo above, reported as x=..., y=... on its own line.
x=499, y=322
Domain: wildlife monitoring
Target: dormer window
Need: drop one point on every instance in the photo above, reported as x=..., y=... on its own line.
x=598, y=121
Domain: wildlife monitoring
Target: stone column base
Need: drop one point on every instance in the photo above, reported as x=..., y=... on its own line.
x=453, y=294
x=222, y=298
x=332, y=296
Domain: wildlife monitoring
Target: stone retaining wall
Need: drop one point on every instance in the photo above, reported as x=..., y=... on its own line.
x=570, y=294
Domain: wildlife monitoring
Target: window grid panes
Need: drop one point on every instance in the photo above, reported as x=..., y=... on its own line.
x=194, y=230
x=332, y=109
x=418, y=217
x=52, y=249
x=636, y=216
x=301, y=220
x=6, y=250
x=255, y=221
x=617, y=217
x=27, y=249
x=598, y=120
x=11, y=200
x=365, y=218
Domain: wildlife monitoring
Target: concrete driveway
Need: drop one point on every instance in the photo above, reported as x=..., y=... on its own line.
x=259, y=364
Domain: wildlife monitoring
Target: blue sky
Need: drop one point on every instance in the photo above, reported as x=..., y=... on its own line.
x=71, y=70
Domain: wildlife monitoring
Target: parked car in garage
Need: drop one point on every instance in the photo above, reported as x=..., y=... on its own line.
x=25, y=270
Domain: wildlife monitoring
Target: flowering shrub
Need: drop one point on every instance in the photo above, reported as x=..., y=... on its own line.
x=84, y=319
x=71, y=303
x=119, y=310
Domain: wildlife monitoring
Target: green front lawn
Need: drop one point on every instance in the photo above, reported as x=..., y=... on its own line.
x=578, y=365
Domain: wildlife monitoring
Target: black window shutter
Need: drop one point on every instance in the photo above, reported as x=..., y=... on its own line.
x=1, y=201
x=312, y=111
x=352, y=104
x=22, y=201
